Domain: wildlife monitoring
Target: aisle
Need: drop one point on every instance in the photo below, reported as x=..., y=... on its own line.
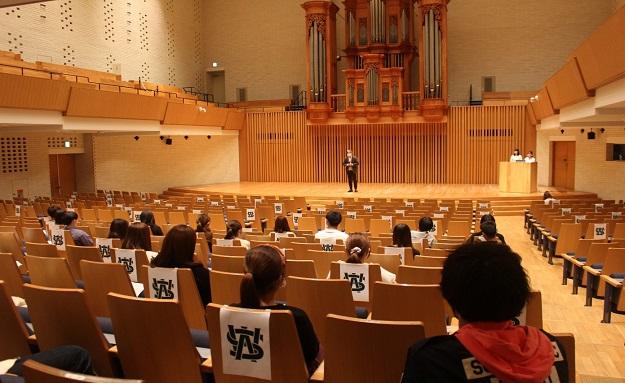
x=600, y=347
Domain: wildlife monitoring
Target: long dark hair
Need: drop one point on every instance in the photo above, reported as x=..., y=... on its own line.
x=403, y=238
x=203, y=226
x=233, y=229
x=357, y=248
x=281, y=225
x=138, y=237
x=118, y=228
x=147, y=217
x=264, y=274
x=177, y=249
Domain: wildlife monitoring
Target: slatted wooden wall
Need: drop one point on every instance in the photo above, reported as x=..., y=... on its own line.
x=279, y=146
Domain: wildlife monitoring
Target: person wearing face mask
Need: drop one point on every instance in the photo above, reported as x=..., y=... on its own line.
x=350, y=162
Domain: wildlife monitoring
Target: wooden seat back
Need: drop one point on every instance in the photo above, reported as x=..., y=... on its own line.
x=381, y=344
x=33, y=234
x=229, y=264
x=50, y=272
x=10, y=274
x=141, y=340
x=102, y=278
x=9, y=243
x=35, y=372
x=323, y=260
x=287, y=360
x=426, y=261
x=225, y=287
x=41, y=249
x=234, y=251
x=417, y=275
x=62, y=317
x=320, y=297
x=389, y=262
x=303, y=268
x=75, y=254
x=12, y=329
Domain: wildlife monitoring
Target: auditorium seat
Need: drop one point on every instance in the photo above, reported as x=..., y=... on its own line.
x=287, y=360
x=389, y=262
x=159, y=350
x=225, y=287
x=75, y=254
x=50, y=272
x=322, y=260
x=367, y=350
x=233, y=251
x=102, y=278
x=300, y=268
x=596, y=256
x=13, y=332
x=62, y=317
x=426, y=261
x=418, y=275
x=32, y=234
x=41, y=249
x=614, y=262
x=35, y=372
x=229, y=264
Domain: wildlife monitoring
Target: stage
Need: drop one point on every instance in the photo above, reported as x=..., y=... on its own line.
x=365, y=191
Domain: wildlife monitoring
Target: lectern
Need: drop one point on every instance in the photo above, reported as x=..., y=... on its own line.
x=517, y=177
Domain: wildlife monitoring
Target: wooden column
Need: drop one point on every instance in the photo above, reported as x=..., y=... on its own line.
x=433, y=85
x=320, y=58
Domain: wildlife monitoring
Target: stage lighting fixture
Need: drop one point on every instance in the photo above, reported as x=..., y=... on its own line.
x=186, y=137
x=209, y=137
x=591, y=135
x=136, y=138
x=602, y=130
x=169, y=141
x=162, y=138
x=562, y=131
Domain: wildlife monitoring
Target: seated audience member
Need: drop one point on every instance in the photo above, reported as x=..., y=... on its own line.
x=147, y=217
x=487, y=347
x=547, y=197
x=425, y=232
x=80, y=237
x=59, y=217
x=203, y=226
x=402, y=237
x=516, y=156
x=177, y=251
x=282, y=228
x=52, y=210
x=138, y=238
x=67, y=358
x=358, y=249
x=234, y=230
x=529, y=158
x=264, y=276
x=118, y=229
x=333, y=220
x=488, y=231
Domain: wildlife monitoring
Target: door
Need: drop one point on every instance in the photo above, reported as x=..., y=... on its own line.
x=563, y=164
x=216, y=85
x=62, y=174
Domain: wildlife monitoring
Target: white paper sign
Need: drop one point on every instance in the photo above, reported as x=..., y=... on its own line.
x=57, y=238
x=109, y=202
x=296, y=217
x=438, y=215
x=136, y=216
x=245, y=343
x=443, y=208
x=327, y=244
x=119, y=205
x=214, y=203
x=566, y=210
x=402, y=212
x=199, y=199
x=68, y=204
x=351, y=214
x=163, y=283
x=196, y=211
x=225, y=242
x=277, y=236
x=104, y=245
x=157, y=201
x=388, y=218
x=598, y=206
x=250, y=214
x=358, y=275
x=616, y=214
x=340, y=204
x=182, y=208
x=579, y=218
x=70, y=209
x=321, y=210
x=18, y=210
x=555, y=202
x=483, y=205
x=277, y=208
x=247, y=230
x=231, y=207
x=367, y=208
x=144, y=196
x=409, y=204
x=128, y=258
x=258, y=201
x=600, y=231
x=396, y=251
x=169, y=205
x=434, y=230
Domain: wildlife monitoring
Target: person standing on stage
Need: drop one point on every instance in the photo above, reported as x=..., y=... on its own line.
x=516, y=156
x=351, y=167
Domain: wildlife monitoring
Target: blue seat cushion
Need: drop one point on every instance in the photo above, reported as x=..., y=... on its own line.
x=581, y=259
x=617, y=275
x=200, y=338
x=597, y=266
x=362, y=312
x=8, y=378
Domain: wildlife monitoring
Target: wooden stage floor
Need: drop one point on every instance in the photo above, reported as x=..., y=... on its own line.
x=339, y=190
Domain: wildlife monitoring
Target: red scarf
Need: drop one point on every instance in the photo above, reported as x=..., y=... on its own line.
x=517, y=354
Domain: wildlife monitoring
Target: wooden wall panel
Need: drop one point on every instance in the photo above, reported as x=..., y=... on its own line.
x=187, y=114
x=567, y=86
x=96, y=103
x=280, y=147
x=33, y=93
x=543, y=107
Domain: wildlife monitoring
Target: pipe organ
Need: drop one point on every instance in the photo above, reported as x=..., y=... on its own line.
x=382, y=79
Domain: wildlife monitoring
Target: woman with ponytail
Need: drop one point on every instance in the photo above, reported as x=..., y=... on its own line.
x=233, y=231
x=358, y=249
x=264, y=276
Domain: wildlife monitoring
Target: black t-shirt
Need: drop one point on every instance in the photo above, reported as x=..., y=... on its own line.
x=305, y=331
x=445, y=359
x=472, y=237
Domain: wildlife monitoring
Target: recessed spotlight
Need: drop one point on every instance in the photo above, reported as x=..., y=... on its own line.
x=186, y=137
x=169, y=141
x=209, y=137
x=215, y=64
x=162, y=138
x=562, y=131
x=136, y=138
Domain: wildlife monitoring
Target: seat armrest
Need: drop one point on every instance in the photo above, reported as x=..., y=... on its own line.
x=592, y=271
x=318, y=375
x=614, y=282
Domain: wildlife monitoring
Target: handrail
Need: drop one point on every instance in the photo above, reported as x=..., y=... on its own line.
x=65, y=76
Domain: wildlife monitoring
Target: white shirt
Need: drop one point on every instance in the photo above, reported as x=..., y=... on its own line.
x=331, y=233
x=417, y=236
x=245, y=243
x=516, y=158
x=529, y=160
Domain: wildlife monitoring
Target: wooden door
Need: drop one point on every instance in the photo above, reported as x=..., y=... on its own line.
x=62, y=174
x=563, y=164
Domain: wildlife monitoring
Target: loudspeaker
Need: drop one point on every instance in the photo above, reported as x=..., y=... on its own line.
x=168, y=141
x=591, y=135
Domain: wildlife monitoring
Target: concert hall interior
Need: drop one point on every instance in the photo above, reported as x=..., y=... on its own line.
x=298, y=182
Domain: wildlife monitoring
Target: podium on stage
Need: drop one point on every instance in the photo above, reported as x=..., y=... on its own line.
x=517, y=177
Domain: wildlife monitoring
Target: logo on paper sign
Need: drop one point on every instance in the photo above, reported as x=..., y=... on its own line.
x=245, y=343
x=327, y=247
x=600, y=231
x=57, y=240
x=105, y=251
x=128, y=262
x=163, y=288
x=357, y=281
